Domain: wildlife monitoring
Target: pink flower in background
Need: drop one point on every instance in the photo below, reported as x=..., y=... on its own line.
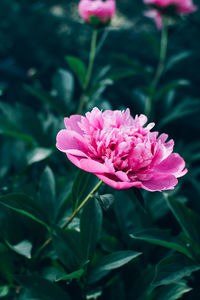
x=120, y=150
x=103, y=10
x=181, y=6
x=156, y=15
x=162, y=8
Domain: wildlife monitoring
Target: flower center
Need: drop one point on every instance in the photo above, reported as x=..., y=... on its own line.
x=125, y=148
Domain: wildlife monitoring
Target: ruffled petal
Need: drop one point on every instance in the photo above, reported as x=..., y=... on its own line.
x=67, y=140
x=88, y=165
x=173, y=164
x=160, y=182
x=72, y=123
x=122, y=176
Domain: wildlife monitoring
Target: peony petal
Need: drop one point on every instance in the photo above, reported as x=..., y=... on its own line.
x=142, y=120
x=163, y=137
x=182, y=173
x=122, y=176
x=160, y=182
x=77, y=153
x=173, y=164
x=74, y=159
x=67, y=139
x=72, y=123
x=119, y=185
x=88, y=165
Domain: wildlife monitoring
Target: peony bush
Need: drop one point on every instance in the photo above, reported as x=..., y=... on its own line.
x=105, y=206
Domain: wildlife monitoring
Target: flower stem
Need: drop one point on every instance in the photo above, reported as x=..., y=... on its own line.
x=159, y=70
x=46, y=243
x=82, y=204
x=89, y=70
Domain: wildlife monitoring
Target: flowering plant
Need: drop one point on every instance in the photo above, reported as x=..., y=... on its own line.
x=105, y=215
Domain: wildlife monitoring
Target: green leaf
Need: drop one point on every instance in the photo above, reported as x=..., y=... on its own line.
x=142, y=285
x=74, y=275
x=67, y=246
x=163, y=238
x=116, y=260
x=78, y=67
x=64, y=84
x=105, y=200
x=101, y=74
x=110, y=243
x=182, y=110
x=177, y=58
x=7, y=128
x=135, y=65
x=170, y=292
x=82, y=185
x=94, y=294
x=19, y=114
x=90, y=225
x=173, y=268
x=131, y=217
x=120, y=74
x=110, y=262
x=7, y=267
x=44, y=98
x=171, y=86
x=153, y=42
x=24, y=205
x=38, y=154
x=97, y=90
x=187, y=218
x=23, y=248
x=47, y=195
x=42, y=288
x=4, y=290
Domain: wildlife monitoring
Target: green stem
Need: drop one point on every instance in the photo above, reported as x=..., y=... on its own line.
x=46, y=243
x=89, y=70
x=82, y=204
x=159, y=70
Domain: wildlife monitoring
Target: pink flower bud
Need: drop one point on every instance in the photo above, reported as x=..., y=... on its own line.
x=161, y=8
x=97, y=12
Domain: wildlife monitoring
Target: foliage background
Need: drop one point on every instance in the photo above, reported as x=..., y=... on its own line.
x=37, y=89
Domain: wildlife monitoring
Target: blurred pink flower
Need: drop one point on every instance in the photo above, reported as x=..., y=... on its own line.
x=156, y=15
x=182, y=6
x=120, y=150
x=160, y=7
x=103, y=10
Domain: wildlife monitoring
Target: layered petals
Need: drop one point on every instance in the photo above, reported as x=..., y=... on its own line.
x=122, y=151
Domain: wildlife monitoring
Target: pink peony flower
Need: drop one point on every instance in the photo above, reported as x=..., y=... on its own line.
x=120, y=150
x=103, y=10
x=161, y=8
